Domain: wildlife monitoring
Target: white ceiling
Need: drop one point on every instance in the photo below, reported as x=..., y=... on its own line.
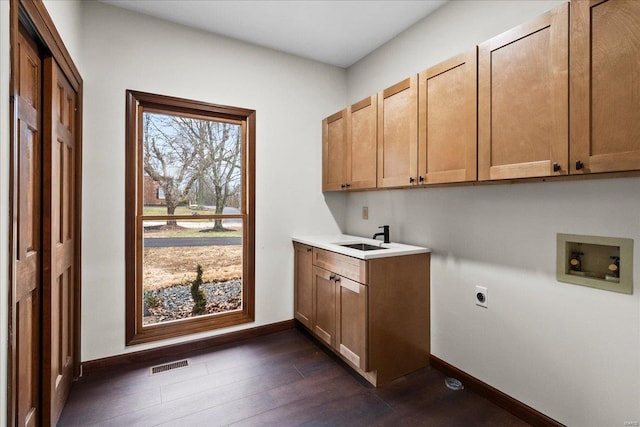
x=334, y=32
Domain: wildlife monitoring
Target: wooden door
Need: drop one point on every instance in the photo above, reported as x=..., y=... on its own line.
x=398, y=134
x=324, y=309
x=523, y=94
x=362, y=141
x=447, y=108
x=303, y=284
x=25, y=337
x=351, y=331
x=605, y=85
x=59, y=241
x=334, y=146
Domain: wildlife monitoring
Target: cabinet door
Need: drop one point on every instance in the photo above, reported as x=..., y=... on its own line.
x=303, y=284
x=605, y=86
x=351, y=333
x=324, y=313
x=362, y=157
x=398, y=134
x=523, y=94
x=447, y=121
x=334, y=143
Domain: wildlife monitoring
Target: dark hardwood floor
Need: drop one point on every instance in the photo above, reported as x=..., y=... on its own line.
x=283, y=379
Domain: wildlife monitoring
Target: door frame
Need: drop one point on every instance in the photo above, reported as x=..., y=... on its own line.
x=33, y=15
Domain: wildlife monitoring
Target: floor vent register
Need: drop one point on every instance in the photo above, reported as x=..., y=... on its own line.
x=169, y=366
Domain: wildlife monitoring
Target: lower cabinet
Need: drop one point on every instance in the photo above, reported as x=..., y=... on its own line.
x=341, y=315
x=303, y=292
x=351, y=321
x=324, y=307
x=374, y=314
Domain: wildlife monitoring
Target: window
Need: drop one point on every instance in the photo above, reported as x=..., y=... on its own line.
x=190, y=178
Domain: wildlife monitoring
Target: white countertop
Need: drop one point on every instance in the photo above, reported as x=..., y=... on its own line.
x=333, y=242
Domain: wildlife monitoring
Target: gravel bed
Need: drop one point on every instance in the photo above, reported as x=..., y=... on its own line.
x=175, y=302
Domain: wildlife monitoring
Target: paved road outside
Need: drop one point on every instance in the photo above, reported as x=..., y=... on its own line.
x=168, y=242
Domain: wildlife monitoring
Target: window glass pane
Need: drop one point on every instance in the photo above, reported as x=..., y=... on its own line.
x=190, y=165
x=172, y=252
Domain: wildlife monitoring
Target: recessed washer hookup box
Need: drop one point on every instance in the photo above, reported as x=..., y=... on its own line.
x=594, y=261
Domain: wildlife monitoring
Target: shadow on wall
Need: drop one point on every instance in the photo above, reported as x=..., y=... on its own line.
x=337, y=204
x=512, y=225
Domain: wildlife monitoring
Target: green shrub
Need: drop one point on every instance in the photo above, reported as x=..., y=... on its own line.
x=199, y=299
x=151, y=300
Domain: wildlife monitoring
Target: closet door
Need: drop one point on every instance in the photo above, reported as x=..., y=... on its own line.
x=25, y=344
x=59, y=207
x=46, y=149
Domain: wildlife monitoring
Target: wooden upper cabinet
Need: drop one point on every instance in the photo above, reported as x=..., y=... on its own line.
x=523, y=93
x=362, y=154
x=334, y=143
x=349, y=147
x=398, y=134
x=605, y=86
x=447, y=108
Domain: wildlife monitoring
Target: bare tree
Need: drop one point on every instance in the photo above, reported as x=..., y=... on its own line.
x=224, y=152
x=223, y=155
x=188, y=155
x=172, y=160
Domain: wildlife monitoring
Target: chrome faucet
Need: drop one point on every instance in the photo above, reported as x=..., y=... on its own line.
x=385, y=233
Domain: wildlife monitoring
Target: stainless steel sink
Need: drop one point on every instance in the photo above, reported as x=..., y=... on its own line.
x=362, y=246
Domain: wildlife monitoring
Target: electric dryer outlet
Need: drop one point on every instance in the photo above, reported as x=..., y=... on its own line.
x=482, y=296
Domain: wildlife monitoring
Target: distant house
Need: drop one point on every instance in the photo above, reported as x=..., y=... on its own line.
x=153, y=192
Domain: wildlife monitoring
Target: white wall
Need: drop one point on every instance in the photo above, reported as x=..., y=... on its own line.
x=453, y=28
x=125, y=50
x=67, y=17
x=569, y=351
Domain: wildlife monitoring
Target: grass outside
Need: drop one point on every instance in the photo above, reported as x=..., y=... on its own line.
x=191, y=232
x=231, y=230
x=180, y=210
x=164, y=267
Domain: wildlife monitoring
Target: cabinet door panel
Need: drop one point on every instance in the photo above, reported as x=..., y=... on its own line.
x=324, y=316
x=447, y=121
x=303, y=288
x=605, y=85
x=398, y=134
x=351, y=334
x=334, y=142
x=523, y=100
x=362, y=159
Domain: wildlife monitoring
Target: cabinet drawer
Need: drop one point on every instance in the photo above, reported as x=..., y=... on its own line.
x=345, y=266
